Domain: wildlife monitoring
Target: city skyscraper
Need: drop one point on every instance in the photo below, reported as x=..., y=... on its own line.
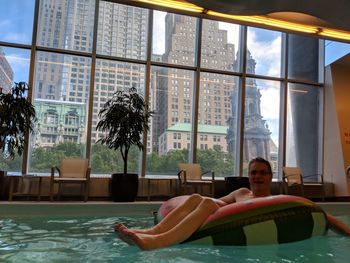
x=6, y=73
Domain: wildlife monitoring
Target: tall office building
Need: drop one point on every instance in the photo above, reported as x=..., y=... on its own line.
x=6, y=73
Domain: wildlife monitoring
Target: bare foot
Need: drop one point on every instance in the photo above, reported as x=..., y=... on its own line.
x=119, y=228
x=143, y=241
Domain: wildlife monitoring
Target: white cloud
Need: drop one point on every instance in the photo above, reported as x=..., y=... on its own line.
x=5, y=22
x=270, y=101
x=158, y=32
x=20, y=38
x=267, y=54
x=19, y=65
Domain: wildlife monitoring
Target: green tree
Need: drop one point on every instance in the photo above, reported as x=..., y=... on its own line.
x=43, y=159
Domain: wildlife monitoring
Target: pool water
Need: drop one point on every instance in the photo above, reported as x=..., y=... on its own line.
x=92, y=239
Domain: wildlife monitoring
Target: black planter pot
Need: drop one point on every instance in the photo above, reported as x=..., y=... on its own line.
x=4, y=186
x=233, y=183
x=124, y=188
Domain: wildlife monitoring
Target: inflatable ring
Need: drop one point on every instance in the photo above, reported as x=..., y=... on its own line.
x=266, y=220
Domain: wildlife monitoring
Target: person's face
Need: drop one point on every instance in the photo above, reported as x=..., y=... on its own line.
x=259, y=177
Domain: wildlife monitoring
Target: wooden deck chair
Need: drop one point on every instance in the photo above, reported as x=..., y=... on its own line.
x=292, y=177
x=71, y=171
x=190, y=174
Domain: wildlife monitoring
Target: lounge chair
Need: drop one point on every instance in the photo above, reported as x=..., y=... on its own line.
x=71, y=171
x=190, y=174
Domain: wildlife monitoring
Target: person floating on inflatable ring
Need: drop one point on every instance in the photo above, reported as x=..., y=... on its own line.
x=185, y=219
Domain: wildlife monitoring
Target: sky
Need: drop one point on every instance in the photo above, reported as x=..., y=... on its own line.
x=264, y=45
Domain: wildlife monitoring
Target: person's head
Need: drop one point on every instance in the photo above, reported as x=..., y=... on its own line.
x=260, y=176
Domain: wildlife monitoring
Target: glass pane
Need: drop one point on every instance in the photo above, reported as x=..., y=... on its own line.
x=61, y=95
x=122, y=30
x=303, y=58
x=174, y=38
x=220, y=45
x=16, y=21
x=66, y=24
x=335, y=50
x=264, y=52
x=304, y=129
x=261, y=122
x=217, y=123
x=14, y=67
x=171, y=98
x=111, y=76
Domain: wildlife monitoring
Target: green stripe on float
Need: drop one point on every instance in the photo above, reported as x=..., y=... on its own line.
x=221, y=237
x=261, y=233
x=320, y=224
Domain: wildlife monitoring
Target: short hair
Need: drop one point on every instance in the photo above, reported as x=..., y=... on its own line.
x=260, y=160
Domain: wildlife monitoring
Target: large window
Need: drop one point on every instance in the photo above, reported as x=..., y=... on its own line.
x=16, y=21
x=335, y=50
x=264, y=48
x=122, y=31
x=261, y=122
x=220, y=46
x=207, y=107
x=217, y=122
x=111, y=76
x=61, y=95
x=66, y=24
x=304, y=59
x=174, y=38
x=170, y=138
x=304, y=129
x=14, y=67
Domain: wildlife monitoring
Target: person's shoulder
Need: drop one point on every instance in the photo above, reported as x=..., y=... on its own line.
x=242, y=190
x=242, y=194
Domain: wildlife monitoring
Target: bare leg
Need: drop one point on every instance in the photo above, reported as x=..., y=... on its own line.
x=178, y=233
x=172, y=219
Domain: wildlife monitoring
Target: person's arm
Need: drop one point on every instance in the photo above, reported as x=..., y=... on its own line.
x=232, y=197
x=338, y=226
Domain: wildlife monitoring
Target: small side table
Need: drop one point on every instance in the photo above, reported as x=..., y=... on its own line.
x=24, y=185
x=158, y=178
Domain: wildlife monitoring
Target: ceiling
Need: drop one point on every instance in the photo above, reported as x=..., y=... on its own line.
x=324, y=13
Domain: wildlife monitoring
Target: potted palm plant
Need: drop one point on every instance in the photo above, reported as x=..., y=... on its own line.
x=17, y=117
x=123, y=119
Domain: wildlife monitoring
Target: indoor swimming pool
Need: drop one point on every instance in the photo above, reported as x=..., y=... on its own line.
x=84, y=233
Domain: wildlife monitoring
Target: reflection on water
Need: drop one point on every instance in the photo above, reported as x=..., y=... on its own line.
x=93, y=240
